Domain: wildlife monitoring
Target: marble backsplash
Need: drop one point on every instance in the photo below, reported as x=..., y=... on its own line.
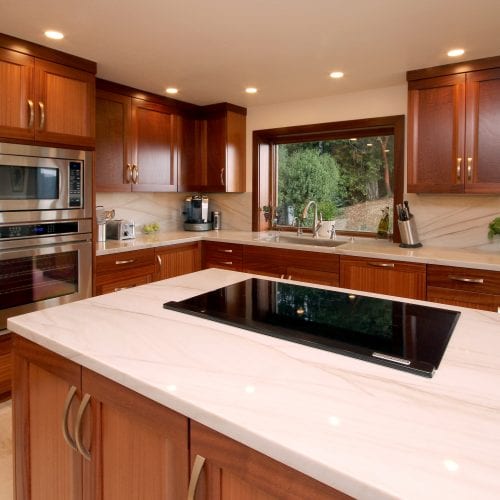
x=457, y=221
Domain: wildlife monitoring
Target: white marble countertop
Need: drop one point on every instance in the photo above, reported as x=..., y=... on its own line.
x=483, y=257
x=368, y=430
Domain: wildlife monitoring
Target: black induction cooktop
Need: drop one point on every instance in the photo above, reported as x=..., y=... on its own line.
x=400, y=335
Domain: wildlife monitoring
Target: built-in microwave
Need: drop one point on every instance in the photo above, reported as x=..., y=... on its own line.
x=41, y=183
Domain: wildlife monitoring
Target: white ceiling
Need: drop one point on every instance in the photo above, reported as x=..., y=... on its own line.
x=211, y=50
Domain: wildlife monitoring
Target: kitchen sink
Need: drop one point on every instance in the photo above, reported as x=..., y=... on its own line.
x=308, y=240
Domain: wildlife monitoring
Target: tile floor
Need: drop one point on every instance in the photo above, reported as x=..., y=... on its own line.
x=6, y=483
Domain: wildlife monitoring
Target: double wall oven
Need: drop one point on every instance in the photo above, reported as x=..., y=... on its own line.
x=45, y=228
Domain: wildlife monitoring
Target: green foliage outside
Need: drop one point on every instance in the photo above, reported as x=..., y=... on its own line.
x=336, y=174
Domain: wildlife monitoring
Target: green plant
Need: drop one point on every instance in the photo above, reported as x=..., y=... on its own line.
x=494, y=228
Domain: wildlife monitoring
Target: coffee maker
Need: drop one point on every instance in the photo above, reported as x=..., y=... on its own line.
x=196, y=212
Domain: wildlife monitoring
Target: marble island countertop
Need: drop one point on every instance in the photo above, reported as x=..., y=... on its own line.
x=482, y=257
x=367, y=430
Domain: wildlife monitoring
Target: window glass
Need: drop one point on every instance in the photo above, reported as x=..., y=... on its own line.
x=351, y=180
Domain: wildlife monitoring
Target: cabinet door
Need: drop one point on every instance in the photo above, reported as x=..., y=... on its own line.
x=65, y=105
x=233, y=471
x=113, y=168
x=138, y=448
x=436, y=133
x=177, y=260
x=154, y=148
x=483, y=132
x=17, y=107
x=401, y=279
x=5, y=366
x=216, y=153
x=45, y=465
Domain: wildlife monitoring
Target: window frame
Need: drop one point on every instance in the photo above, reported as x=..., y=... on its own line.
x=264, y=160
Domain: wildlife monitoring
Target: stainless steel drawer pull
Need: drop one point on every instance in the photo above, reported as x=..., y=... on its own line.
x=466, y=280
x=120, y=288
x=459, y=168
x=121, y=262
x=227, y=263
x=227, y=251
x=158, y=258
x=469, y=169
x=67, y=405
x=78, y=427
x=199, y=461
x=129, y=173
x=380, y=264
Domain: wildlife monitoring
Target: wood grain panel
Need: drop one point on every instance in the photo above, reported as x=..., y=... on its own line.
x=401, y=279
x=454, y=278
x=222, y=255
x=5, y=365
x=234, y=471
x=177, y=260
x=111, y=263
x=16, y=87
x=113, y=113
x=216, y=152
x=235, y=176
x=464, y=299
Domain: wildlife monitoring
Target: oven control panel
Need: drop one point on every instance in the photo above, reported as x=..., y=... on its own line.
x=75, y=184
x=33, y=230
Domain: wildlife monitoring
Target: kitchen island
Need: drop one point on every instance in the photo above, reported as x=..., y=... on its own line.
x=366, y=430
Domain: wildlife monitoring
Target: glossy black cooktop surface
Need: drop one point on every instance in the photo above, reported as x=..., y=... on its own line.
x=397, y=334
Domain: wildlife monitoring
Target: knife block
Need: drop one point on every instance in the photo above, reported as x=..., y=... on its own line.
x=409, y=234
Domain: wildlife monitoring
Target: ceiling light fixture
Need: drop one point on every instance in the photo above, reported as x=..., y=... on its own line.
x=251, y=90
x=55, y=35
x=456, y=52
x=336, y=74
x=171, y=90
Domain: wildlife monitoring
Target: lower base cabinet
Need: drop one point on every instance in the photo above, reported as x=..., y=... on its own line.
x=5, y=366
x=81, y=436
x=176, y=260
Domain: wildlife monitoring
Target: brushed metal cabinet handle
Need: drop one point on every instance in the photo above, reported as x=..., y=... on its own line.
x=222, y=181
x=121, y=262
x=78, y=427
x=129, y=173
x=469, y=169
x=41, y=105
x=227, y=263
x=135, y=174
x=459, y=168
x=381, y=264
x=158, y=258
x=120, y=288
x=282, y=276
x=199, y=461
x=289, y=277
x=227, y=251
x=464, y=279
x=67, y=405
x=32, y=113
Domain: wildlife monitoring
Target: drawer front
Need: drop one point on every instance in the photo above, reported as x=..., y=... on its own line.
x=123, y=284
x=222, y=255
x=461, y=298
x=125, y=261
x=467, y=280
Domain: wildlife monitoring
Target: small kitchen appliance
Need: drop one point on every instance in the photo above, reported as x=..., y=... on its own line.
x=196, y=212
x=120, y=230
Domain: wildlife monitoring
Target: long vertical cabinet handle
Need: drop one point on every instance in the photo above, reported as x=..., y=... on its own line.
x=67, y=405
x=129, y=173
x=222, y=181
x=78, y=427
x=41, y=105
x=459, y=168
x=469, y=169
x=158, y=258
x=32, y=113
x=135, y=173
x=199, y=461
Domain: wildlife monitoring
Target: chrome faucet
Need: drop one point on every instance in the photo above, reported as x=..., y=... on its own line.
x=316, y=221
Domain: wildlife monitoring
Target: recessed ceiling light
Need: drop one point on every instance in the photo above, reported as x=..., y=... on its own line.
x=456, y=52
x=336, y=74
x=251, y=90
x=171, y=90
x=55, y=35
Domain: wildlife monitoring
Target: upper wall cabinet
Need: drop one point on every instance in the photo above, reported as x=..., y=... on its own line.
x=219, y=138
x=454, y=128
x=45, y=102
x=136, y=144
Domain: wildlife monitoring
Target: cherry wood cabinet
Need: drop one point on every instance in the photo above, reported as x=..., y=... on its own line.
x=117, y=445
x=453, y=138
x=137, y=144
x=124, y=270
x=475, y=288
x=45, y=102
x=222, y=255
x=402, y=279
x=176, y=260
x=5, y=366
x=229, y=470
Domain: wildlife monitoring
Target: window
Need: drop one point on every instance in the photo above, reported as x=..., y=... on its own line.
x=352, y=170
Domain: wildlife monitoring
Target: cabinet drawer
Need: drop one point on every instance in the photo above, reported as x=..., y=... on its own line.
x=125, y=261
x=459, y=278
x=222, y=255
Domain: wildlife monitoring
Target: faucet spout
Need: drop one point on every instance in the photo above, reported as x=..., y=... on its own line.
x=316, y=221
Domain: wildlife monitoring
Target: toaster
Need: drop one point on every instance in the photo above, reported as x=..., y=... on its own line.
x=120, y=230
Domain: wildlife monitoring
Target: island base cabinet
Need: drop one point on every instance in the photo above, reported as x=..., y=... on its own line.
x=231, y=471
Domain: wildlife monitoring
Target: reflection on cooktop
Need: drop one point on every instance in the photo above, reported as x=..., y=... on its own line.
x=396, y=334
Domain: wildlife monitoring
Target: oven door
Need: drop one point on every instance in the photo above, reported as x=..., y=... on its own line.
x=43, y=276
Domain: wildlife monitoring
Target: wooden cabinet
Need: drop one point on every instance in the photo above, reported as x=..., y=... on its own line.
x=475, y=288
x=45, y=102
x=222, y=255
x=311, y=267
x=117, y=445
x=124, y=270
x=176, y=260
x=230, y=470
x=219, y=138
x=453, y=138
x=5, y=366
x=387, y=277
x=136, y=144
